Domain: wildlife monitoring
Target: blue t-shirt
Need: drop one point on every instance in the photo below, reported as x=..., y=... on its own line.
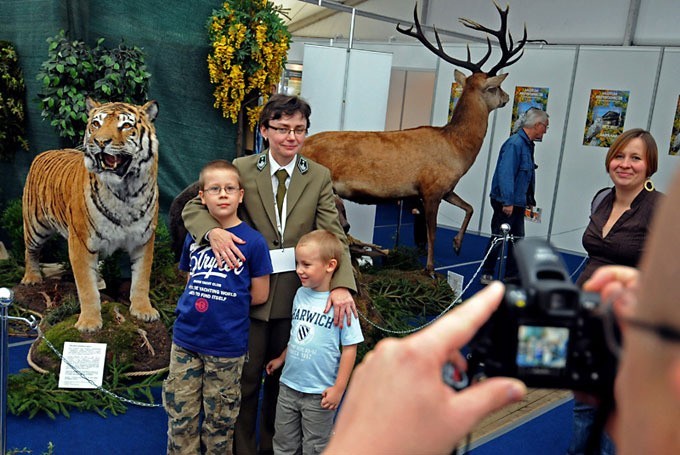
x=313, y=356
x=212, y=313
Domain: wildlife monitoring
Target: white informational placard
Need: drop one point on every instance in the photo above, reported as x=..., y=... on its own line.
x=88, y=359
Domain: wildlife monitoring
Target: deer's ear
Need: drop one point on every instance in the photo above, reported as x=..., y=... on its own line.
x=459, y=77
x=495, y=81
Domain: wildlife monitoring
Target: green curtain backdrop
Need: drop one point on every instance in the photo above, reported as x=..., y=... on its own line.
x=173, y=36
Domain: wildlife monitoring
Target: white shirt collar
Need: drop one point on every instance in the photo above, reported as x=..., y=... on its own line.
x=275, y=166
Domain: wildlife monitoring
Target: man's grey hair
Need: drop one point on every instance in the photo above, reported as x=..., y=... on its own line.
x=534, y=116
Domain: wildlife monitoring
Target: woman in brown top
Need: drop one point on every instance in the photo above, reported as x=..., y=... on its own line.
x=619, y=222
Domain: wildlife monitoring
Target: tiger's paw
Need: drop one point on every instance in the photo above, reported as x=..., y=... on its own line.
x=147, y=313
x=31, y=278
x=88, y=323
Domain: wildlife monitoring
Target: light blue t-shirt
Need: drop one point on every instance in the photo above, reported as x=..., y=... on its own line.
x=313, y=355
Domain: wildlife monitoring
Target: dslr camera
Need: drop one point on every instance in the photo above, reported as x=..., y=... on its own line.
x=546, y=331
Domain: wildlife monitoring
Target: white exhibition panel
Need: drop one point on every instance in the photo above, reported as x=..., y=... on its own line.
x=359, y=79
x=368, y=84
x=665, y=107
x=471, y=186
x=550, y=68
x=583, y=170
x=323, y=81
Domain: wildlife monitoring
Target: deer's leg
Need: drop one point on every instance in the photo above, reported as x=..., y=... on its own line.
x=342, y=213
x=453, y=198
x=431, y=209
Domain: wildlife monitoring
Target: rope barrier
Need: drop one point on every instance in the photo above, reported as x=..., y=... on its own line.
x=444, y=311
x=495, y=238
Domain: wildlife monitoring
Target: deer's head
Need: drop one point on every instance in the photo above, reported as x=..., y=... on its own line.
x=488, y=83
x=484, y=87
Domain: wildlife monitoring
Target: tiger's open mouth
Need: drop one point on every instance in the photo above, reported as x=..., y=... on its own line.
x=117, y=164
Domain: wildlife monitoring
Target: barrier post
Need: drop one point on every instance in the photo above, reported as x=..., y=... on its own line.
x=6, y=297
x=505, y=229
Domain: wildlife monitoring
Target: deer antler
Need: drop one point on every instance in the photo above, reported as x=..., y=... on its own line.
x=506, y=45
x=439, y=50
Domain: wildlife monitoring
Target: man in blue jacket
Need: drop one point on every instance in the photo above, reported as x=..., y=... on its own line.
x=512, y=188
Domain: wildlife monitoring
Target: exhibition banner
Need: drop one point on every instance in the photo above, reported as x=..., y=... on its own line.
x=606, y=116
x=525, y=99
x=456, y=91
x=675, y=134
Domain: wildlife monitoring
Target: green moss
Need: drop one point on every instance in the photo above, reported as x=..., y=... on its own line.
x=59, y=334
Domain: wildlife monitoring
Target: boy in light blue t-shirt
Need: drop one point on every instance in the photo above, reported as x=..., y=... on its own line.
x=316, y=371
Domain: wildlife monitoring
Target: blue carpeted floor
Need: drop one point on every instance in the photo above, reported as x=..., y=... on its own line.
x=142, y=430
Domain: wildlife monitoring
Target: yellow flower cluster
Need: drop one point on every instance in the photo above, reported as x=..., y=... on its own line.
x=249, y=47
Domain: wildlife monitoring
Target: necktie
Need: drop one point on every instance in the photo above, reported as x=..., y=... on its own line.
x=281, y=175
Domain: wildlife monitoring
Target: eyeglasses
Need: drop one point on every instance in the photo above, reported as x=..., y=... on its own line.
x=217, y=190
x=300, y=131
x=613, y=334
x=546, y=126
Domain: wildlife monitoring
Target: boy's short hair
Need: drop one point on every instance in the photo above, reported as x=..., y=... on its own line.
x=328, y=244
x=217, y=164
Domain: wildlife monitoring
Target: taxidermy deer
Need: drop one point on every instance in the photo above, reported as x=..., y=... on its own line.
x=425, y=162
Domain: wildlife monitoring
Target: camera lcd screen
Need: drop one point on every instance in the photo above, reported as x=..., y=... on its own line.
x=541, y=347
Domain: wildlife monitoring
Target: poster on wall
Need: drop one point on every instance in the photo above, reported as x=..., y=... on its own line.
x=456, y=91
x=606, y=116
x=525, y=99
x=675, y=134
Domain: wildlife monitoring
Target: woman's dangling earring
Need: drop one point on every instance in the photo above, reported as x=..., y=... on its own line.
x=649, y=185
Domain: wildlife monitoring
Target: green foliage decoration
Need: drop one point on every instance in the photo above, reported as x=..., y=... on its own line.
x=399, y=300
x=12, y=222
x=12, y=104
x=249, y=44
x=32, y=393
x=25, y=450
x=73, y=72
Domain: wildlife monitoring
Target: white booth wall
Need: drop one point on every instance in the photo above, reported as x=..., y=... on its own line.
x=348, y=90
x=569, y=173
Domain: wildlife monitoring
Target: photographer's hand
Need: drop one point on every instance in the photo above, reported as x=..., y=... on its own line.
x=610, y=280
x=396, y=400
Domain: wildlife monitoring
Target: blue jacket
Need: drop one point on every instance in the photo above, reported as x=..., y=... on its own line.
x=514, y=173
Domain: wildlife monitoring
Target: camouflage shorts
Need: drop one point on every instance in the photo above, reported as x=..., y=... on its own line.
x=204, y=384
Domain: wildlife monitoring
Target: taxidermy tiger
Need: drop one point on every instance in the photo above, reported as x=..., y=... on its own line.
x=101, y=200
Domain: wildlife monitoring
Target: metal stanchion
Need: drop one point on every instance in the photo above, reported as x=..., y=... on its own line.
x=6, y=298
x=505, y=229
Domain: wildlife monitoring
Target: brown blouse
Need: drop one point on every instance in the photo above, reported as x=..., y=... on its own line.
x=625, y=241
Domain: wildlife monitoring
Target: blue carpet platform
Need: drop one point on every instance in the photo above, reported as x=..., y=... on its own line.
x=142, y=430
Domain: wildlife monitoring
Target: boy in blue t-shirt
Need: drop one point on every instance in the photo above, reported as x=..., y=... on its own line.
x=316, y=373
x=210, y=334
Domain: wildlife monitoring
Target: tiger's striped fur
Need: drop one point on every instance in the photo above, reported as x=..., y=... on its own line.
x=101, y=200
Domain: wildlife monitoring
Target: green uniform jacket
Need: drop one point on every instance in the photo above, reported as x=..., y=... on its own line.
x=310, y=206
